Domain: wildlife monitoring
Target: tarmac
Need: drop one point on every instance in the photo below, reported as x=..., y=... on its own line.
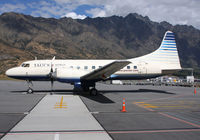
x=153, y=112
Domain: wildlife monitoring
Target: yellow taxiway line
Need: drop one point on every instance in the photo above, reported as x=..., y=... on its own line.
x=61, y=104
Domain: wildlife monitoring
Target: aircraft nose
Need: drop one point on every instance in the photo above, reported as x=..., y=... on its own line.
x=11, y=72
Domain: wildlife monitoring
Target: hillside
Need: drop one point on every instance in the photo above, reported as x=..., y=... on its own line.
x=24, y=37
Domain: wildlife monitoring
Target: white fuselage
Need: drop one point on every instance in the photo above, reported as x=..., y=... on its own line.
x=71, y=70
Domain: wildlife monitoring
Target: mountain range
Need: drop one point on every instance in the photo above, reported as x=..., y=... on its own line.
x=23, y=37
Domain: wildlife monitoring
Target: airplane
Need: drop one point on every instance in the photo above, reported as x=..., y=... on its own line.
x=83, y=74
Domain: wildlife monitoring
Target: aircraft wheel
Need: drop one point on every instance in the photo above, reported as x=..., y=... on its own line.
x=30, y=91
x=93, y=92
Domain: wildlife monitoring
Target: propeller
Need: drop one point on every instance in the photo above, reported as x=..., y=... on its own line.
x=51, y=78
x=51, y=74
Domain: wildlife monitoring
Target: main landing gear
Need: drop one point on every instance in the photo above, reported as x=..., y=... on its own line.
x=87, y=90
x=30, y=84
x=87, y=87
x=92, y=91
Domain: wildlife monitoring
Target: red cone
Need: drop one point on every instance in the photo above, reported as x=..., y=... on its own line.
x=123, y=106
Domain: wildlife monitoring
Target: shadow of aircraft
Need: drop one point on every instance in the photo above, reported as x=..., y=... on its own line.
x=100, y=98
x=136, y=91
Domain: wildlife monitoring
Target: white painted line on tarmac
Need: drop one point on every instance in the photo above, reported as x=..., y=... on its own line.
x=56, y=137
x=94, y=112
x=45, y=118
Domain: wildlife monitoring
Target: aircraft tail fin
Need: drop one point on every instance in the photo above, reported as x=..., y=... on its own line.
x=166, y=54
x=168, y=44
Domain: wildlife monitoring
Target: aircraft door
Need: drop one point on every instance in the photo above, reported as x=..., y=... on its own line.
x=142, y=68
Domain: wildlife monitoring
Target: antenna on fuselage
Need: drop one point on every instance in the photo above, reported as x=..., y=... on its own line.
x=54, y=58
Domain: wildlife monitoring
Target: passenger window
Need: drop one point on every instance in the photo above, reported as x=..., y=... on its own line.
x=128, y=67
x=85, y=67
x=135, y=67
x=93, y=67
x=78, y=67
x=100, y=66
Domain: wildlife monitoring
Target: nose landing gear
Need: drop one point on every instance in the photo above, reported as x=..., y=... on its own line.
x=30, y=84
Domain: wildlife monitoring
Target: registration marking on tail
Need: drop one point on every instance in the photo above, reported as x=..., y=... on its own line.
x=60, y=104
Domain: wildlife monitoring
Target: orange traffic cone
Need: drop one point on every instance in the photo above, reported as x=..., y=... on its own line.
x=123, y=106
x=195, y=91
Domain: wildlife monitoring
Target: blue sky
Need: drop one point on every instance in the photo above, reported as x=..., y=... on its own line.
x=173, y=11
x=46, y=8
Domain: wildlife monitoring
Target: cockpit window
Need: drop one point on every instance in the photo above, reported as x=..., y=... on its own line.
x=25, y=65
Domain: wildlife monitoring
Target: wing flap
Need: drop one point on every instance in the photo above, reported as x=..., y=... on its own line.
x=105, y=71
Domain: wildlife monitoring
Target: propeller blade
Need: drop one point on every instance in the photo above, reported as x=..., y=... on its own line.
x=52, y=82
x=51, y=74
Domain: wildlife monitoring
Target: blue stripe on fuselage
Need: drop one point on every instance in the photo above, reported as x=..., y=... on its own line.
x=45, y=78
x=68, y=80
x=132, y=76
x=172, y=36
x=167, y=46
x=169, y=49
x=31, y=78
x=169, y=39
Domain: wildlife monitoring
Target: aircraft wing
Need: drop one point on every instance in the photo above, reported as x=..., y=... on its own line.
x=105, y=71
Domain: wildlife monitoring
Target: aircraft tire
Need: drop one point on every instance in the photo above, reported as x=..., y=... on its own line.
x=30, y=91
x=93, y=92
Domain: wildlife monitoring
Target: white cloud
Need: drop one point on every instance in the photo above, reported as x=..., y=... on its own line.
x=97, y=12
x=73, y=15
x=173, y=11
x=47, y=9
x=12, y=8
x=54, y=8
